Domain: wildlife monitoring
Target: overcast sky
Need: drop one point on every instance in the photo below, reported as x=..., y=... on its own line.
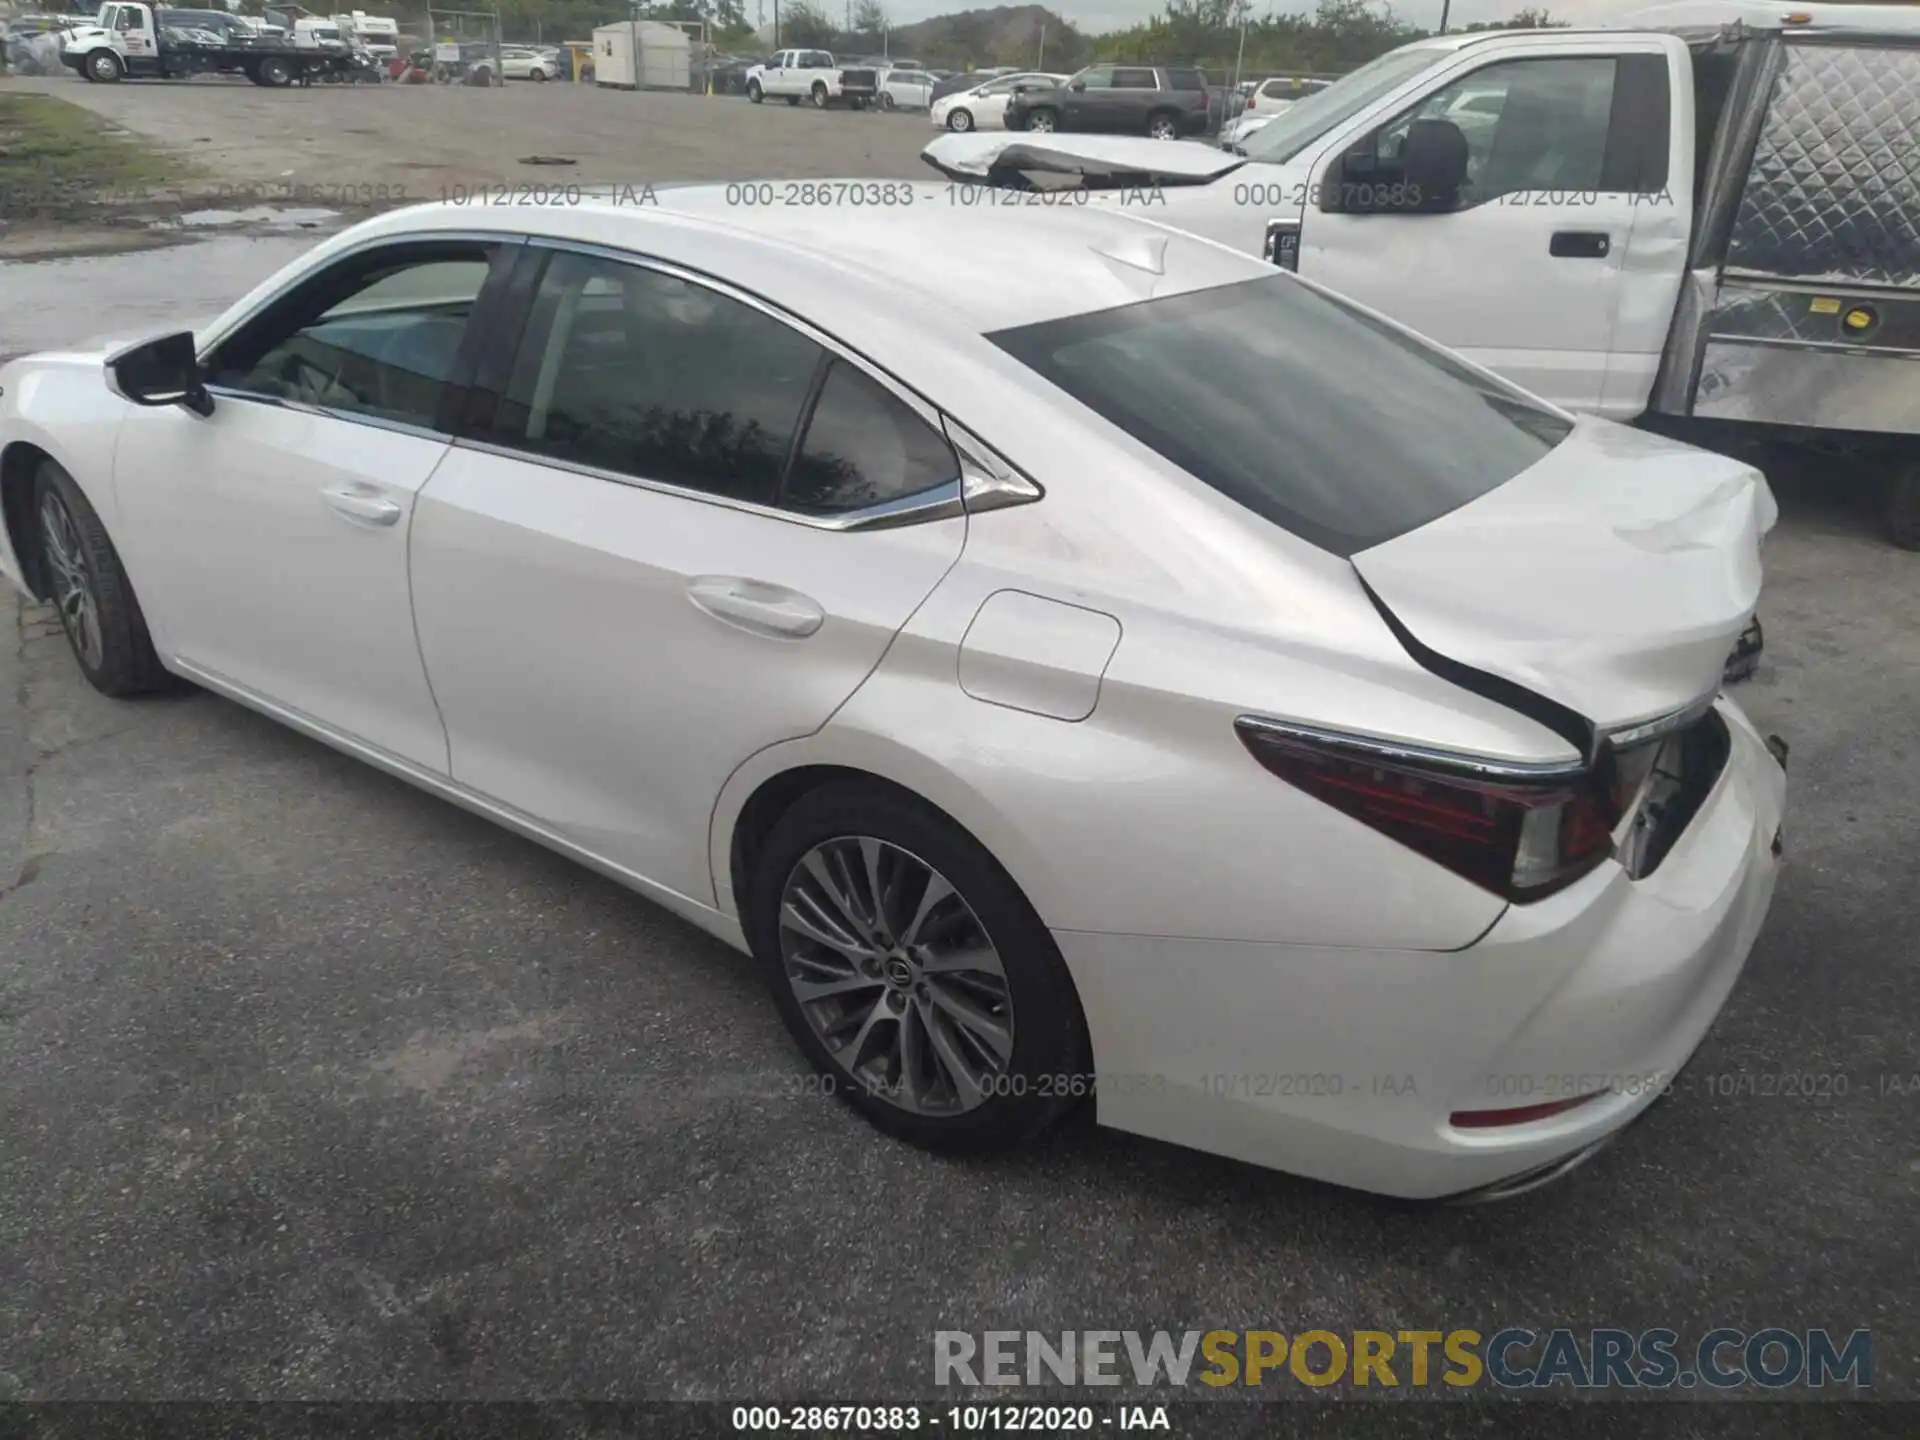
x=1095, y=16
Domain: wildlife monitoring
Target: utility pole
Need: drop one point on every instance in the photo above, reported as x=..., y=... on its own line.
x=1040, y=63
x=1446, y=6
x=776, y=24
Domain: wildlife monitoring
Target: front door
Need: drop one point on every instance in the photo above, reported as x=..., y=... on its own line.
x=1569, y=238
x=632, y=578
x=272, y=534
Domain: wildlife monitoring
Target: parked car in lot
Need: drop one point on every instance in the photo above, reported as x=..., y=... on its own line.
x=1490, y=190
x=1044, y=708
x=984, y=106
x=954, y=82
x=526, y=62
x=905, y=89
x=813, y=76
x=1163, y=102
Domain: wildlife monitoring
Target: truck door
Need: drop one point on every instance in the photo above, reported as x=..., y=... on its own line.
x=136, y=39
x=1560, y=257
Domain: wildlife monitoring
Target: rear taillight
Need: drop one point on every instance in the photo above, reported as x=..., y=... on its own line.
x=1519, y=831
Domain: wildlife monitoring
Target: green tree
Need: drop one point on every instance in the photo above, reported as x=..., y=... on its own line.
x=807, y=24
x=867, y=27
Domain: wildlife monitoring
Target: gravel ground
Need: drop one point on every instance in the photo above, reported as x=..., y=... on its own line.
x=313, y=1086
x=343, y=143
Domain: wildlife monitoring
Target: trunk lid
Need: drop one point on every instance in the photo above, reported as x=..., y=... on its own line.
x=1613, y=577
x=1099, y=162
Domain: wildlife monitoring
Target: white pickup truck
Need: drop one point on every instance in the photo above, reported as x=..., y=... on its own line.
x=814, y=76
x=1702, y=220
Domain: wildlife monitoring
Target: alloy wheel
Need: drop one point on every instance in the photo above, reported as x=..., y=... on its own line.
x=1040, y=122
x=1160, y=129
x=896, y=975
x=73, y=592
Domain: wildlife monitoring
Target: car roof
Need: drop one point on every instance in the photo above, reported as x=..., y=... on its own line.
x=972, y=267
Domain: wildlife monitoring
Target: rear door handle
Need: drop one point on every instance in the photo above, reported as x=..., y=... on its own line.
x=756, y=606
x=362, y=503
x=1579, y=245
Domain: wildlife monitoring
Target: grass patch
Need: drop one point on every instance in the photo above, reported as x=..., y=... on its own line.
x=55, y=156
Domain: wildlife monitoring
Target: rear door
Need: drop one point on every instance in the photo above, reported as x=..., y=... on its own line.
x=648, y=560
x=1569, y=240
x=1123, y=109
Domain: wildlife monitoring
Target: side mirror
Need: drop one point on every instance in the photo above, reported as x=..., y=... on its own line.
x=1078, y=86
x=165, y=371
x=1434, y=165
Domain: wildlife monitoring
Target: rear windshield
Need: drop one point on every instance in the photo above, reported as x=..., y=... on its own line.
x=1308, y=412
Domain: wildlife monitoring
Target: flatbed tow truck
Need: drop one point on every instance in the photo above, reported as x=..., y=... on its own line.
x=127, y=42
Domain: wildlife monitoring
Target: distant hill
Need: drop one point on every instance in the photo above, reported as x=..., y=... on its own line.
x=1004, y=35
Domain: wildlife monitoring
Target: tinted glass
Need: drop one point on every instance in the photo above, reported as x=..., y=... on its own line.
x=864, y=447
x=371, y=337
x=648, y=375
x=1133, y=80
x=1186, y=80
x=1309, y=413
x=1096, y=79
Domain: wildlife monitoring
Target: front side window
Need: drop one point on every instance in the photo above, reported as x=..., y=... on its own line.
x=1529, y=124
x=643, y=374
x=864, y=447
x=1098, y=78
x=1310, y=413
x=376, y=335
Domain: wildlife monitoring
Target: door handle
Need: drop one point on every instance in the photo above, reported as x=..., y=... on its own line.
x=755, y=606
x=1579, y=245
x=365, y=505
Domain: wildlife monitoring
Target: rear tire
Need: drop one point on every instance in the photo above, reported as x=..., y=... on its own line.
x=1162, y=127
x=274, y=72
x=1903, y=508
x=1027, y=1067
x=90, y=590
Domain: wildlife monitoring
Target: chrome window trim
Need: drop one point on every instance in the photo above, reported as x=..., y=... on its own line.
x=940, y=503
x=987, y=480
x=1409, y=753
x=206, y=347
x=327, y=412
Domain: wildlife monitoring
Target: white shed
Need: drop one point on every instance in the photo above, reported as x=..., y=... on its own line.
x=663, y=62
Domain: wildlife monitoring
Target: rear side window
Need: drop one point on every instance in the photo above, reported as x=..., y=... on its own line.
x=645, y=374
x=1308, y=412
x=864, y=447
x=1186, y=80
x=1134, y=80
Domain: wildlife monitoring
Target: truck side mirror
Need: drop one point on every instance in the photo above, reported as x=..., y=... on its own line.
x=1078, y=86
x=165, y=371
x=1433, y=165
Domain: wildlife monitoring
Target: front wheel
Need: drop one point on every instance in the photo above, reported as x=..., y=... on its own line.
x=886, y=101
x=104, y=67
x=960, y=122
x=1903, y=508
x=913, y=973
x=754, y=92
x=90, y=590
x=1041, y=122
x=819, y=96
x=275, y=73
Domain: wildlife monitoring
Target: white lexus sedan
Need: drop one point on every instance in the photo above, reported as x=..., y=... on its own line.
x=984, y=107
x=1075, y=659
